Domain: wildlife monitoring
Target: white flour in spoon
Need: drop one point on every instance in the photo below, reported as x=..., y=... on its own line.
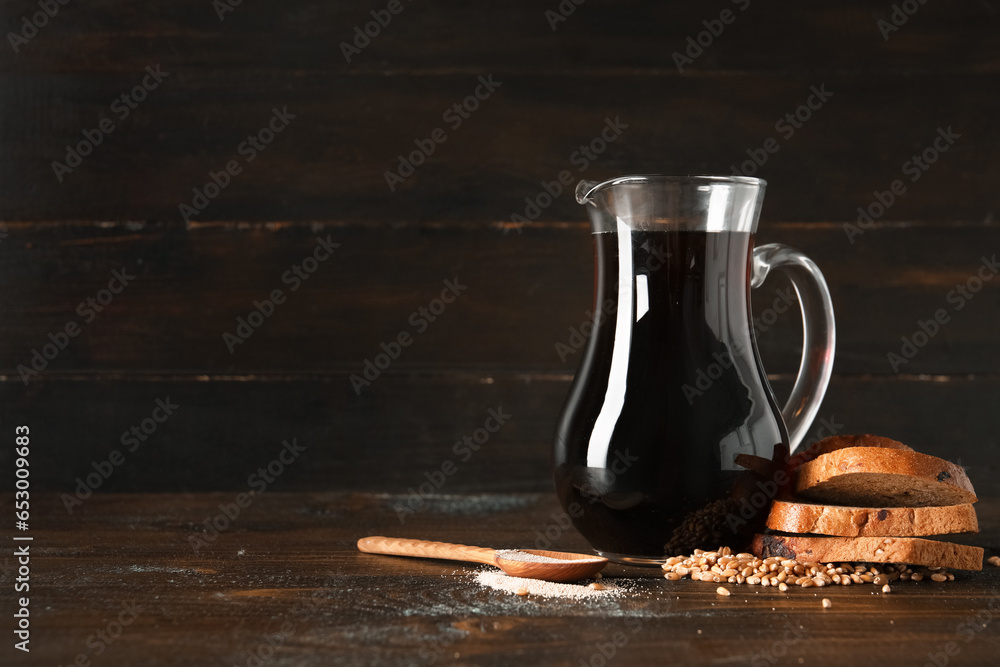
x=498, y=580
x=525, y=557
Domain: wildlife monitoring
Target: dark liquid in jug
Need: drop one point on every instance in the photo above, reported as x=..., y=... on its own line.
x=669, y=390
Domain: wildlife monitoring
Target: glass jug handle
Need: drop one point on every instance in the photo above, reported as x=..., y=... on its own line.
x=818, y=333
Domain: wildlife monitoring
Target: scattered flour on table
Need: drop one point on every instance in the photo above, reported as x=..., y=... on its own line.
x=479, y=505
x=497, y=580
x=525, y=557
x=159, y=568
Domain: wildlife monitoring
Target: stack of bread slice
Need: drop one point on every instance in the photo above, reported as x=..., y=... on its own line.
x=872, y=499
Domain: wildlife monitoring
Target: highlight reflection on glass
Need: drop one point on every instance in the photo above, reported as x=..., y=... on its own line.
x=614, y=398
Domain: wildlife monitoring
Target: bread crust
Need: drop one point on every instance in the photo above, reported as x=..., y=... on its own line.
x=799, y=517
x=909, y=550
x=883, y=477
x=835, y=442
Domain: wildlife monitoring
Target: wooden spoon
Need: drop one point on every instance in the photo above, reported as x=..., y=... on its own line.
x=560, y=566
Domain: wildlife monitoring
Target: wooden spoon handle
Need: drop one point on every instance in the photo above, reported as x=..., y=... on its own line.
x=393, y=546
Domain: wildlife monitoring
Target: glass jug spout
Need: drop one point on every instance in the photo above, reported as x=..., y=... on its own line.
x=656, y=202
x=584, y=189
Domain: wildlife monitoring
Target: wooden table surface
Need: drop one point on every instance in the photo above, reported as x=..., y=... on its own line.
x=285, y=571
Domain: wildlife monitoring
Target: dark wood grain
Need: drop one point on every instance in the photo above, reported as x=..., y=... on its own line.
x=330, y=162
x=290, y=558
x=406, y=427
x=523, y=292
x=631, y=37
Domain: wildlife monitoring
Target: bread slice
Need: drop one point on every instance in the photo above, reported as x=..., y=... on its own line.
x=880, y=477
x=835, y=442
x=794, y=517
x=766, y=467
x=910, y=550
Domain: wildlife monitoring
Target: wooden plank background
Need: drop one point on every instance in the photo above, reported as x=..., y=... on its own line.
x=527, y=285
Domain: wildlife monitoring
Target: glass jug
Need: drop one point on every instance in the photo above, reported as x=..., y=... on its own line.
x=670, y=388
